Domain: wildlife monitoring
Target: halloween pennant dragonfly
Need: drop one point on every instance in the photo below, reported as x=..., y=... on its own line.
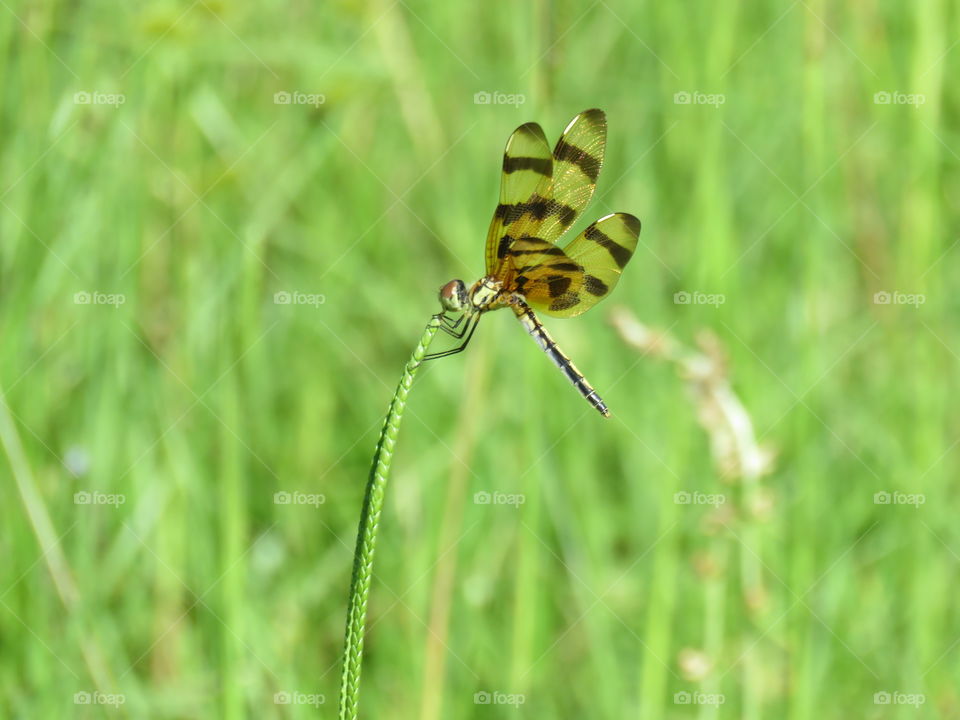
x=542, y=193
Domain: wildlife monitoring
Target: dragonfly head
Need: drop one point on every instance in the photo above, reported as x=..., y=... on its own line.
x=454, y=296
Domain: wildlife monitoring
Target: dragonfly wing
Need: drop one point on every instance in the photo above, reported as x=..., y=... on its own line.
x=527, y=174
x=577, y=159
x=586, y=271
x=543, y=192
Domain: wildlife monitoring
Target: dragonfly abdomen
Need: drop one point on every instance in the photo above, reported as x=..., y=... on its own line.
x=539, y=333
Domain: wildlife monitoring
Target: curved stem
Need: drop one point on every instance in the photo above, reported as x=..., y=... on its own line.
x=367, y=532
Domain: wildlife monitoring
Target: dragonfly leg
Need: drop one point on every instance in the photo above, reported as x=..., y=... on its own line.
x=450, y=322
x=449, y=325
x=466, y=333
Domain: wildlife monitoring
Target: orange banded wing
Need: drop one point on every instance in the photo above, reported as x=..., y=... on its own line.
x=577, y=159
x=586, y=271
x=536, y=207
x=527, y=173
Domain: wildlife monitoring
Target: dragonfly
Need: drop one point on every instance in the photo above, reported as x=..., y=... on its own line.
x=542, y=194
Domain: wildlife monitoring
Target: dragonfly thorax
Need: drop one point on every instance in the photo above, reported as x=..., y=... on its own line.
x=454, y=296
x=484, y=293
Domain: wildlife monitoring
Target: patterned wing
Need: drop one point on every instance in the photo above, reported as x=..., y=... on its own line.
x=527, y=173
x=538, y=208
x=577, y=159
x=568, y=282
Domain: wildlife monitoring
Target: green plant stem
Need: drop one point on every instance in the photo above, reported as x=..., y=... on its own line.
x=367, y=532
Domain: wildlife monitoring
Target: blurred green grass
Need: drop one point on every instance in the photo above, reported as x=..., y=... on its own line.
x=198, y=198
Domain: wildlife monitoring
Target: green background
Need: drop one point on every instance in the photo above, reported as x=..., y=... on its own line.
x=200, y=397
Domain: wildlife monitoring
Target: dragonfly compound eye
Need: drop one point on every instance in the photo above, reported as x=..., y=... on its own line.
x=453, y=296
